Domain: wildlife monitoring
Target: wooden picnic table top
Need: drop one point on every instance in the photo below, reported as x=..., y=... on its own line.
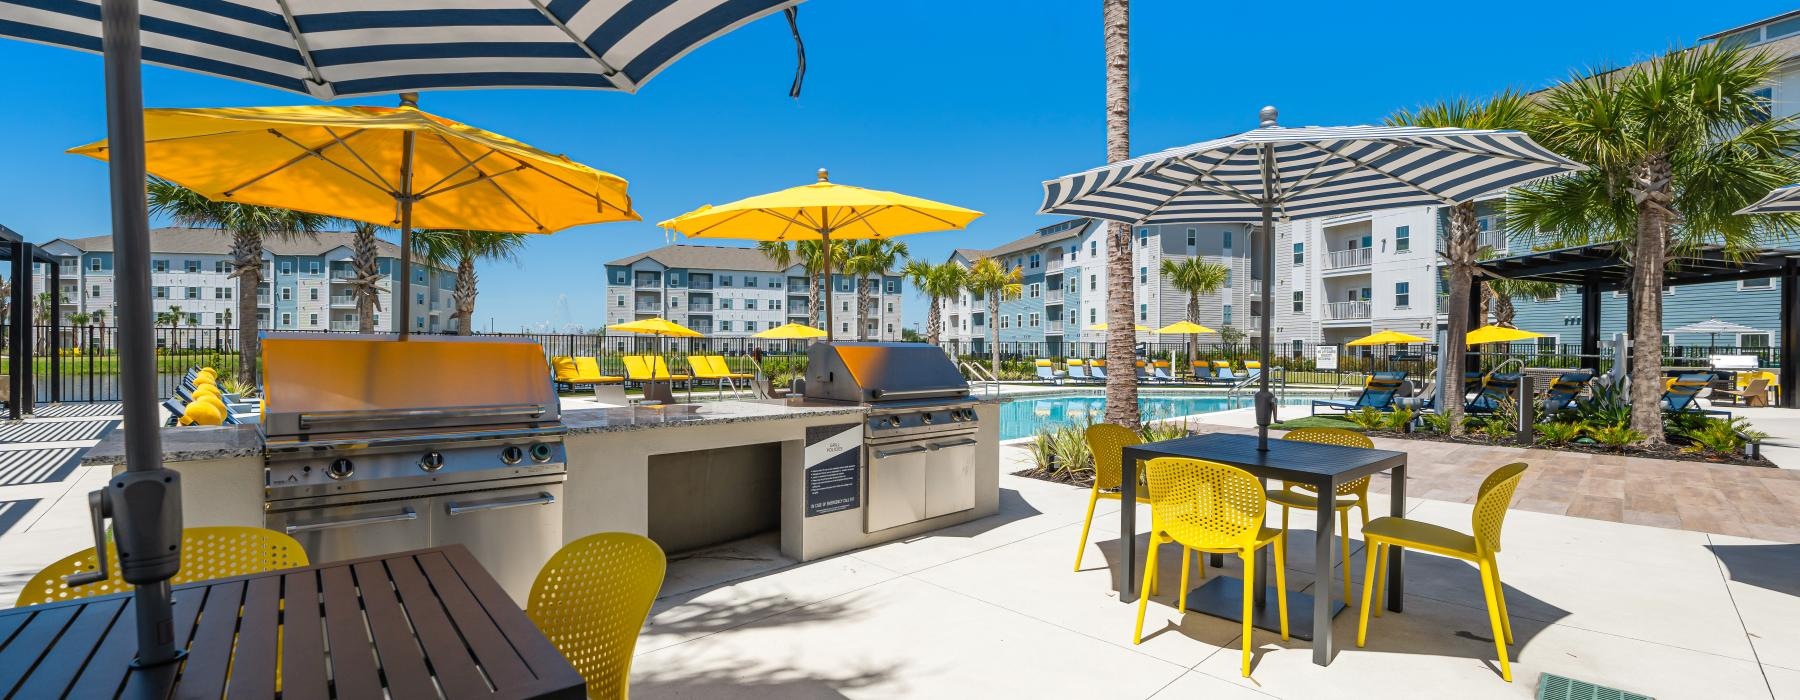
x=424, y=623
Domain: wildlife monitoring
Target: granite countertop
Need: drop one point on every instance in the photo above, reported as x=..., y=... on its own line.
x=185, y=444
x=623, y=418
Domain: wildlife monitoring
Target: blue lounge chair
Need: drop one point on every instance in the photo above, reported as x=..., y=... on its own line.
x=1496, y=388
x=1563, y=392
x=1048, y=372
x=1143, y=371
x=1160, y=372
x=1097, y=368
x=1379, y=395
x=1201, y=369
x=1224, y=372
x=1078, y=371
x=1252, y=369
x=1684, y=395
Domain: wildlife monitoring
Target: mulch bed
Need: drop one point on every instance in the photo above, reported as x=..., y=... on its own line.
x=1672, y=453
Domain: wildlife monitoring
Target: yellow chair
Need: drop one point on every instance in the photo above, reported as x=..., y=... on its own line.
x=1107, y=443
x=720, y=366
x=1207, y=507
x=206, y=553
x=589, y=372
x=1351, y=495
x=591, y=599
x=1490, y=511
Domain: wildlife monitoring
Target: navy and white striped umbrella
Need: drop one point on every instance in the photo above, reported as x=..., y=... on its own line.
x=1781, y=200
x=337, y=48
x=1321, y=171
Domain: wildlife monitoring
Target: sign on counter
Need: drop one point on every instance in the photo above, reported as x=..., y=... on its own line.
x=833, y=468
x=1325, y=356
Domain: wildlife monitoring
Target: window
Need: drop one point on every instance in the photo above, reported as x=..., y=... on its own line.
x=287, y=293
x=1402, y=294
x=312, y=294
x=287, y=268
x=157, y=265
x=1034, y=320
x=94, y=264
x=1227, y=241
x=1228, y=272
x=155, y=292
x=1193, y=237
x=420, y=298
x=1093, y=281
x=724, y=280
x=222, y=266
x=190, y=265
x=1299, y=254
x=192, y=293
x=674, y=279
x=750, y=280
x=218, y=319
x=674, y=302
x=1003, y=321
x=1143, y=275
x=620, y=300
x=96, y=292
x=1143, y=312
x=312, y=319
x=287, y=319
x=1091, y=317
x=1753, y=340
x=749, y=304
x=774, y=282
x=845, y=306
x=751, y=325
x=1299, y=302
x=1143, y=237
x=1402, y=239
x=1093, y=250
x=725, y=325
x=890, y=307
x=221, y=292
x=1762, y=283
x=619, y=277
x=1035, y=260
x=893, y=286
x=724, y=303
x=1226, y=309
x=774, y=304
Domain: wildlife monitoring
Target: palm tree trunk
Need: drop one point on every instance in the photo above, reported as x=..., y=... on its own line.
x=812, y=300
x=1121, y=382
x=1652, y=189
x=1461, y=250
x=994, y=331
x=246, y=259
x=934, y=326
x=464, y=296
x=862, y=308
x=1193, y=338
x=365, y=265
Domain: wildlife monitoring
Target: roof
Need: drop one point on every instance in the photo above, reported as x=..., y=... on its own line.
x=1060, y=231
x=1757, y=23
x=706, y=257
x=1603, y=263
x=212, y=241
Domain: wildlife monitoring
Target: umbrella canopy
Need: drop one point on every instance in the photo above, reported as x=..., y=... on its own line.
x=1183, y=328
x=1135, y=327
x=1499, y=334
x=656, y=326
x=390, y=166
x=1781, y=200
x=325, y=50
x=1387, y=338
x=1715, y=327
x=791, y=331
x=1270, y=172
x=822, y=211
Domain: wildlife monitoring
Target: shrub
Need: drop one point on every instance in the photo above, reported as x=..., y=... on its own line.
x=1494, y=426
x=1559, y=432
x=1615, y=437
x=1720, y=438
x=1605, y=408
x=1158, y=431
x=1367, y=418
x=1438, y=423
x=1398, y=419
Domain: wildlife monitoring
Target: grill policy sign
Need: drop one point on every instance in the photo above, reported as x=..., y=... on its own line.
x=833, y=468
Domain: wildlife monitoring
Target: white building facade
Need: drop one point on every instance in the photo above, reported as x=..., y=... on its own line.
x=732, y=292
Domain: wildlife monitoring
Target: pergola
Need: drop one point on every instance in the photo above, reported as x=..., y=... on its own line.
x=1602, y=267
x=19, y=342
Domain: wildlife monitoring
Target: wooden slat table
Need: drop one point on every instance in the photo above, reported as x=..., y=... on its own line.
x=1324, y=468
x=422, y=624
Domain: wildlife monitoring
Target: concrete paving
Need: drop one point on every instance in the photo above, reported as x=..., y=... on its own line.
x=992, y=609
x=43, y=490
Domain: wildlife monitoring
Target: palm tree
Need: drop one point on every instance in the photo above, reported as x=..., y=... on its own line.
x=1196, y=277
x=99, y=316
x=1508, y=110
x=463, y=248
x=937, y=283
x=365, y=264
x=868, y=258
x=79, y=321
x=248, y=225
x=1675, y=147
x=807, y=255
x=1500, y=292
x=988, y=278
x=1121, y=340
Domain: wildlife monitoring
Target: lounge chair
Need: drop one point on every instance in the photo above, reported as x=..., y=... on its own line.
x=1078, y=371
x=720, y=366
x=1143, y=372
x=1159, y=371
x=1756, y=393
x=1252, y=369
x=1683, y=394
x=1563, y=392
x=702, y=368
x=1046, y=371
x=1224, y=374
x=1425, y=400
x=1098, y=369
x=1379, y=395
x=1201, y=370
x=572, y=371
x=1498, y=387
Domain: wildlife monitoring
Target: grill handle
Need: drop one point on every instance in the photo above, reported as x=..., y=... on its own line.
x=407, y=514
x=543, y=498
x=922, y=393
x=884, y=454
x=326, y=418
x=959, y=443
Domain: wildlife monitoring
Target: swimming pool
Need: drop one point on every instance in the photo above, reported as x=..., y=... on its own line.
x=1027, y=415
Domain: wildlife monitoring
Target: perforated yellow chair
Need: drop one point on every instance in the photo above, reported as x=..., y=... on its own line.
x=1107, y=442
x=206, y=553
x=591, y=599
x=1490, y=511
x=1351, y=495
x=1208, y=507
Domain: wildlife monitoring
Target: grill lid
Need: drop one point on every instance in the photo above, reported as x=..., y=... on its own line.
x=321, y=384
x=881, y=372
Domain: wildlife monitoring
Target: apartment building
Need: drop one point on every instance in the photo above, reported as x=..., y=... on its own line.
x=1343, y=277
x=306, y=281
x=734, y=292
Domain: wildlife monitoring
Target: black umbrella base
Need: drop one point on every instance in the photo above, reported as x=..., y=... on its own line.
x=1223, y=596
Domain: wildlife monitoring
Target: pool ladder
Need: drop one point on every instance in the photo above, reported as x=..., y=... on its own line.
x=1246, y=387
x=981, y=376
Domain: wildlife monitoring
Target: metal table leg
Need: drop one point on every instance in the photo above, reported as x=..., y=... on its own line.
x=1396, y=584
x=1128, y=574
x=1322, y=564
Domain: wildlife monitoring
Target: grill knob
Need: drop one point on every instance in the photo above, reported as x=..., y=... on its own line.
x=340, y=468
x=540, y=452
x=431, y=461
x=926, y=417
x=512, y=454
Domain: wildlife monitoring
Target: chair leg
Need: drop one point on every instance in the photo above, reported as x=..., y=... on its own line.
x=1493, y=608
x=1368, y=597
x=1249, y=558
x=1137, y=636
x=1381, y=579
x=1344, y=540
x=1281, y=584
x=1187, y=555
x=1500, y=596
x=1081, y=549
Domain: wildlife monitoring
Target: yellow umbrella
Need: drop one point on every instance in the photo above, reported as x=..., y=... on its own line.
x=1388, y=338
x=1499, y=334
x=1135, y=327
x=391, y=166
x=822, y=211
x=656, y=326
x=1182, y=328
x=791, y=331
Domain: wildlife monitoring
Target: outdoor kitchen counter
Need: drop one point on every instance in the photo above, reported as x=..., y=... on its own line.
x=627, y=418
x=221, y=471
x=191, y=443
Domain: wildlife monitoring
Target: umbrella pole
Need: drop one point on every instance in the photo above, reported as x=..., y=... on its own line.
x=1265, y=256
x=825, y=258
x=145, y=501
x=406, y=202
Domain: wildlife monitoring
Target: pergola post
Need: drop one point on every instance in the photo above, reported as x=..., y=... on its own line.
x=17, y=358
x=1471, y=358
x=1590, y=327
x=23, y=289
x=1790, y=333
x=56, y=301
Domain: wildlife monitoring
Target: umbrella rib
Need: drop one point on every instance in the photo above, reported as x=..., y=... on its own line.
x=484, y=177
x=308, y=152
x=702, y=230
x=497, y=187
x=344, y=141
x=1396, y=178
x=432, y=188
x=599, y=202
x=612, y=74
x=287, y=15
x=1304, y=188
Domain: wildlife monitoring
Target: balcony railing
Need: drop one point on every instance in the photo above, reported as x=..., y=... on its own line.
x=351, y=326
x=699, y=284
x=262, y=300
x=342, y=273
x=649, y=282
x=1053, y=328
x=1053, y=296
x=1347, y=310
x=1354, y=257
x=343, y=300
x=648, y=308
x=700, y=308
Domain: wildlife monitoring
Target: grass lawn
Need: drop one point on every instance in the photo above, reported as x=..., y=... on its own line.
x=1317, y=422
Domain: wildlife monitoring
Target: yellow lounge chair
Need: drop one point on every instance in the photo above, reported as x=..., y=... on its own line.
x=722, y=367
x=704, y=369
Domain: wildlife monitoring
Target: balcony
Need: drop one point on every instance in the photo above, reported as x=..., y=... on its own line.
x=700, y=308
x=644, y=308
x=351, y=326
x=1053, y=328
x=1347, y=259
x=262, y=300
x=796, y=287
x=1053, y=296
x=343, y=300
x=652, y=281
x=343, y=273
x=1347, y=311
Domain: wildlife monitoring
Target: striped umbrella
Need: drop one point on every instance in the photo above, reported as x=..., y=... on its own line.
x=330, y=49
x=1781, y=200
x=1270, y=172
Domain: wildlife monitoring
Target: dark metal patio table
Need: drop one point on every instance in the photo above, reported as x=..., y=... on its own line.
x=1324, y=467
x=425, y=623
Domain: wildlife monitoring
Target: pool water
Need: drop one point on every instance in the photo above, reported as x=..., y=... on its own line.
x=1028, y=415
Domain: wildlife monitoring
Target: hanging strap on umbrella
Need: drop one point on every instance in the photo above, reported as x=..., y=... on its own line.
x=793, y=20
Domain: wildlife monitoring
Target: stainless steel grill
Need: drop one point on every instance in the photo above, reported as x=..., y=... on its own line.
x=919, y=436
x=374, y=445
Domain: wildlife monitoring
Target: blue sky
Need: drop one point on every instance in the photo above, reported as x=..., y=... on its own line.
x=972, y=103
